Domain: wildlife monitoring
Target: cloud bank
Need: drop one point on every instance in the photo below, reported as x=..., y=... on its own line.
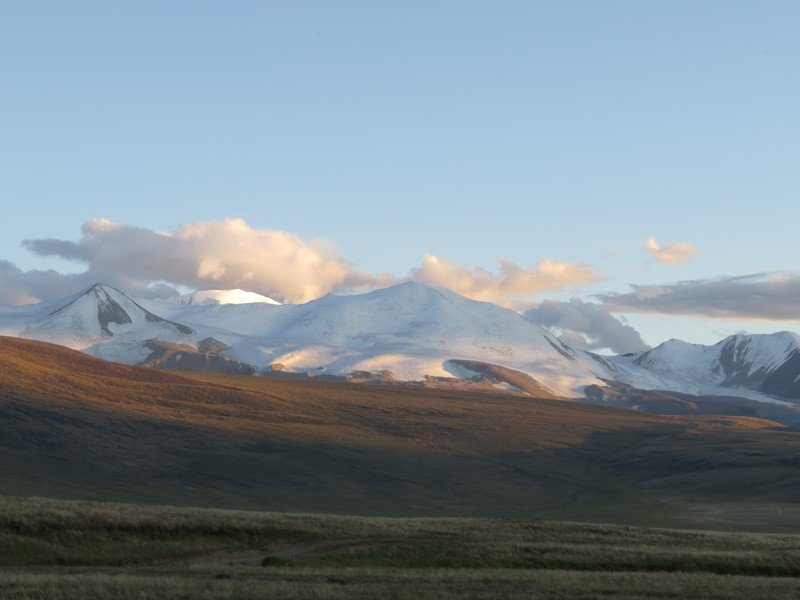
x=587, y=325
x=27, y=287
x=211, y=254
x=762, y=296
x=231, y=254
x=674, y=254
x=510, y=284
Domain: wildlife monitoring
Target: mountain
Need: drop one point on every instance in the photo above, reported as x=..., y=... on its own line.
x=415, y=331
x=408, y=333
x=767, y=364
x=416, y=334
x=100, y=320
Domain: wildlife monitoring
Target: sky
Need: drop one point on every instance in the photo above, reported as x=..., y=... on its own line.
x=578, y=160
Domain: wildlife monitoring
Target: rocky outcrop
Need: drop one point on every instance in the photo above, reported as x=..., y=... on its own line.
x=183, y=357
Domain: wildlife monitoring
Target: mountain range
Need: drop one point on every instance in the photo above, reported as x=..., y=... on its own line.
x=415, y=334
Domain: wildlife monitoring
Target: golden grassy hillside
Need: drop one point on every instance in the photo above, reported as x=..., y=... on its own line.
x=76, y=427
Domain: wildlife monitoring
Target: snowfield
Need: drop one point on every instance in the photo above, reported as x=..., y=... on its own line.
x=206, y=297
x=410, y=329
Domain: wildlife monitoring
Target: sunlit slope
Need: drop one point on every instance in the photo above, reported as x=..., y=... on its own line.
x=411, y=329
x=73, y=426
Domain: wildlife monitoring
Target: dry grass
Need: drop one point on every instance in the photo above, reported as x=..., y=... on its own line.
x=83, y=550
x=348, y=584
x=354, y=414
x=75, y=427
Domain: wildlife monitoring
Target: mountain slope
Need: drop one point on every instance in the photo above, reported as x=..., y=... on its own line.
x=88, y=319
x=409, y=333
x=76, y=427
x=410, y=329
x=768, y=364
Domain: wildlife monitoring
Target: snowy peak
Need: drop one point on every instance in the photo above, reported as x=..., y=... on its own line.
x=91, y=319
x=756, y=352
x=411, y=313
x=413, y=330
x=216, y=297
x=674, y=355
x=768, y=363
x=105, y=306
x=102, y=298
x=758, y=361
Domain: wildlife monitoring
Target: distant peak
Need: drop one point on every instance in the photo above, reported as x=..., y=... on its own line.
x=763, y=336
x=672, y=342
x=234, y=296
x=419, y=285
x=102, y=287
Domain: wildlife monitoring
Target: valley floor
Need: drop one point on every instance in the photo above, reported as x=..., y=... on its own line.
x=79, y=550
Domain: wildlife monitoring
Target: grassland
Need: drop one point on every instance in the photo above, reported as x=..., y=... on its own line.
x=86, y=550
x=77, y=428
x=544, y=472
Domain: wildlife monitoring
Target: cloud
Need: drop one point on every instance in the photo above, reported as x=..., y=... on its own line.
x=208, y=254
x=674, y=254
x=28, y=287
x=764, y=296
x=231, y=254
x=511, y=283
x=18, y=287
x=587, y=325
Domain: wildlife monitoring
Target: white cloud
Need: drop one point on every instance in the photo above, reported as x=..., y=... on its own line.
x=230, y=254
x=674, y=254
x=510, y=284
x=210, y=254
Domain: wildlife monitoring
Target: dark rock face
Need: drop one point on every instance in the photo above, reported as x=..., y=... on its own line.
x=183, y=357
x=490, y=374
x=561, y=348
x=212, y=345
x=383, y=376
x=156, y=319
x=781, y=380
x=785, y=380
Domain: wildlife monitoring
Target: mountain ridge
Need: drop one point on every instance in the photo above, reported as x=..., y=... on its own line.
x=409, y=332
x=767, y=363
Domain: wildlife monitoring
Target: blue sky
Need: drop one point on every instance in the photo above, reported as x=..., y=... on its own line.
x=473, y=131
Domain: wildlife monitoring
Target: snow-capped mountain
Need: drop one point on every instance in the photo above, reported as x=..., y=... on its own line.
x=412, y=330
x=769, y=364
x=101, y=321
x=408, y=332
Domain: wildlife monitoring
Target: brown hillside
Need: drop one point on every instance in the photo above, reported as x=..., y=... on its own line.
x=73, y=426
